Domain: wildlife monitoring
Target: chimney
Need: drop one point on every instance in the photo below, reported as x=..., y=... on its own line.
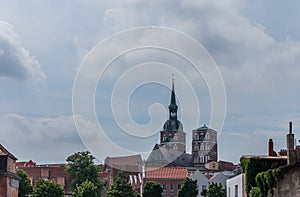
x=271, y=149
x=290, y=143
x=290, y=138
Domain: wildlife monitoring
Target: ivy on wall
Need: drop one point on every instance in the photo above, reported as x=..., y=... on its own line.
x=268, y=180
x=254, y=165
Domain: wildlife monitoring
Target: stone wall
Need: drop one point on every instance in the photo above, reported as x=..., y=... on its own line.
x=289, y=186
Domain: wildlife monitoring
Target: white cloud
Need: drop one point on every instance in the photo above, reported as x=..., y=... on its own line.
x=15, y=60
x=261, y=73
x=42, y=139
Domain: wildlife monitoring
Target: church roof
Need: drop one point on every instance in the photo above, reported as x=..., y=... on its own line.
x=173, y=125
x=204, y=128
x=173, y=98
x=163, y=156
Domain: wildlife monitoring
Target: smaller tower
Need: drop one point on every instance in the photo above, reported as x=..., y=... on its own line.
x=204, y=146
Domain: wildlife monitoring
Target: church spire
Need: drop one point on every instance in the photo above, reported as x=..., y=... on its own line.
x=173, y=107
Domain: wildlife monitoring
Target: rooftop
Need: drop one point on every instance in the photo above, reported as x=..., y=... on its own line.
x=166, y=173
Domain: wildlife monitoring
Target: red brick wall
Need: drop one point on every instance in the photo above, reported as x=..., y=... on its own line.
x=55, y=173
x=13, y=192
x=3, y=186
x=11, y=165
x=5, y=189
x=168, y=182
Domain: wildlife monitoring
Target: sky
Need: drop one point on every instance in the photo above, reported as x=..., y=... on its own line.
x=45, y=46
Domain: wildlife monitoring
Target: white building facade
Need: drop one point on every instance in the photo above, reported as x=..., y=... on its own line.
x=235, y=186
x=203, y=182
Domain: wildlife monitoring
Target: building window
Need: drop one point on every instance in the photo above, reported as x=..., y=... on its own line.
x=229, y=192
x=207, y=146
x=3, y=163
x=202, y=147
x=203, y=187
x=164, y=188
x=178, y=186
x=171, y=188
x=236, y=187
x=201, y=159
x=196, y=137
x=164, y=137
x=175, y=137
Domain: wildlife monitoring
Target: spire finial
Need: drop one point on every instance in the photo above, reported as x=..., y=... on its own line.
x=173, y=107
x=173, y=83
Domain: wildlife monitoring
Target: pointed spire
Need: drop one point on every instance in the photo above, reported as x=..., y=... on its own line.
x=173, y=107
x=173, y=97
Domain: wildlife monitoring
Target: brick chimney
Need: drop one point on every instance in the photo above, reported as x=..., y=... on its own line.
x=271, y=151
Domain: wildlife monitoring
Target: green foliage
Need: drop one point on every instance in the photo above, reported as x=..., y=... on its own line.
x=81, y=167
x=214, y=190
x=25, y=187
x=121, y=187
x=244, y=163
x=267, y=180
x=152, y=189
x=46, y=188
x=189, y=188
x=262, y=184
x=253, y=166
x=278, y=174
x=86, y=189
x=255, y=192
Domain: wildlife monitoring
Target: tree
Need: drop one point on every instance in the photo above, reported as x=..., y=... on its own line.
x=255, y=192
x=46, y=188
x=25, y=187
x=81, y=167
x=152, y=189
x=189, y=188
x=86, y=189
x=121, y=187
x=214, y=190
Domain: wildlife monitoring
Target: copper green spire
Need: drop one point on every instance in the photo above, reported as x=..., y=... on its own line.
x=173, y=107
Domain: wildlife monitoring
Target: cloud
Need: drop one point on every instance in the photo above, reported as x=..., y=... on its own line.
x=43, y=139
x=261, y=73
x=15, y=60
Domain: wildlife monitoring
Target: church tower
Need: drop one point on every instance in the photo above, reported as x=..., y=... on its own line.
x=172, y=134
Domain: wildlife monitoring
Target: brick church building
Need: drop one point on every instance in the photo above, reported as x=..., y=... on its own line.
x=171, y=152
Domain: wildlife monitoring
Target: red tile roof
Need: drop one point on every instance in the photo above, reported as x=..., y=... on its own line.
x=225, y=165
x=104, y=175
x=166, y=173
